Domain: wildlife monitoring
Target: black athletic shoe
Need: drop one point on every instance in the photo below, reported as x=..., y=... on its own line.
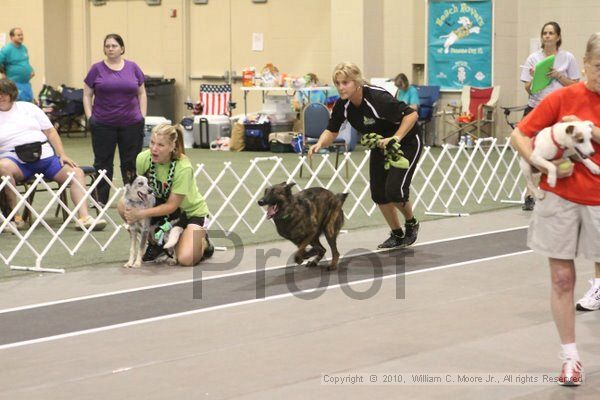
x=153, y=251
x=529, y=203
x=410, y=233
x=209, y=250
x=392, y=242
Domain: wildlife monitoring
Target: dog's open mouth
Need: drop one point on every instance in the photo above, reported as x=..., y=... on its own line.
x=581, y=154
x=271, y=211
x=143, y=196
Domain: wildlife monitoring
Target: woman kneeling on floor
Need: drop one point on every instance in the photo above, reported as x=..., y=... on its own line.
x=171, y=177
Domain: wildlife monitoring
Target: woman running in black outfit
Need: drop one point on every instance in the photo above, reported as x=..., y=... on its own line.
x=371, y=109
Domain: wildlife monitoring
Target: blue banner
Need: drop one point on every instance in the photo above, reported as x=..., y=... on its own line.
x=459, y=44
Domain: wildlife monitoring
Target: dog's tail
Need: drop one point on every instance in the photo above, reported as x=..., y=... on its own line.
x=341, y=197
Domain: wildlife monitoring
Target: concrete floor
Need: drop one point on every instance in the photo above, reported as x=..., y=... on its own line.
x=468, y=316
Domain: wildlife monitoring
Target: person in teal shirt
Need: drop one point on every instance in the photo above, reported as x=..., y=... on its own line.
x=14, y=57
x=406, y=92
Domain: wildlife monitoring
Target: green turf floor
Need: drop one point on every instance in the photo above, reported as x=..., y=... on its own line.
x=214, y=163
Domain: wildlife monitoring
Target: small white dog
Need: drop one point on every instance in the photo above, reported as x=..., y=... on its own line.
x=139, y=195
x=563, y=139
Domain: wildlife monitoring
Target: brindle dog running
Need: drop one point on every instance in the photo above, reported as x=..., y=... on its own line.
x=304, y=216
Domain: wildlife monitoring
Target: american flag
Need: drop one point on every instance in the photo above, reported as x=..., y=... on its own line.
x=215, y=99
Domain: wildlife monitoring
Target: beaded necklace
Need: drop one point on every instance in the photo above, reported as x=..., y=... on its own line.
x=162, y=192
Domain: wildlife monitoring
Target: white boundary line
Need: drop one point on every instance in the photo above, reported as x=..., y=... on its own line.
x=161, y=285
x=245, y=302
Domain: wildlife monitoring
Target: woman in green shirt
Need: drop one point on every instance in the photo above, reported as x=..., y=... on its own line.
x=171, y=176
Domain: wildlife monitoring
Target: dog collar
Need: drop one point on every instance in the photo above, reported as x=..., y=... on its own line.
x=561, y=149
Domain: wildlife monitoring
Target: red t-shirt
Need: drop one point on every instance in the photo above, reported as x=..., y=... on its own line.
x=582, y=187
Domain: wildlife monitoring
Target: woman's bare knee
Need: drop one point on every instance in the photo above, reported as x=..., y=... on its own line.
x=563, y=281
x=186, y=260
x=188, y=257
x=562, y=275
x=8, y=168
x=187, y=250
x=79, y=175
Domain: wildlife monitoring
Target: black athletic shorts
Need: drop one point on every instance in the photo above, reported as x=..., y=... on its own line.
x=194, y=220
x=178, y=218
x=393, y=185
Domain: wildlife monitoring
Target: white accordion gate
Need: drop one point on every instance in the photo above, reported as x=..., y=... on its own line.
x=448, y=182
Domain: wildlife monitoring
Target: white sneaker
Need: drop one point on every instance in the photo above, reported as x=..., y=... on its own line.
x=87, y=222
x=11, y=228
x=17, y=224
x=591, y=299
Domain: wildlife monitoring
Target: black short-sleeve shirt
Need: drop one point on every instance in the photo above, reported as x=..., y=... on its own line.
x=379, y=112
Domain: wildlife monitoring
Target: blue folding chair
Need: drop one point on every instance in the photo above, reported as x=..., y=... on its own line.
x=315, y=119
x=428, y=101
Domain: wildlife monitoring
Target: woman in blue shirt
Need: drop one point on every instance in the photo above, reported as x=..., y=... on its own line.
x=406, y=92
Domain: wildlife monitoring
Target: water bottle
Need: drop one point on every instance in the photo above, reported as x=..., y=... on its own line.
x=298, y=143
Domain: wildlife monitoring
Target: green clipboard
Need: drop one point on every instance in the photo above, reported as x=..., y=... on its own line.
x=540, y=79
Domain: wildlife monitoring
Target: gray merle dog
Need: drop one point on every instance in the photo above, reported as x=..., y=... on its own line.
x=304, y=216
x=138, y=194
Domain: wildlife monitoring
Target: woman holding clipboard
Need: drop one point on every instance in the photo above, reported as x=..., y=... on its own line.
x=565, y=72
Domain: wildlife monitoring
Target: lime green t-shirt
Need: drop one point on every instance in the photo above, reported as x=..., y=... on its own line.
x=193, y=203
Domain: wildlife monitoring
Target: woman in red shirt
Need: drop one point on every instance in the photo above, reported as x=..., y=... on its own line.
x=566, y=223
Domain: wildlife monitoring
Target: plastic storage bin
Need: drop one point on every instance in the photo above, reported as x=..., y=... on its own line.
x=207, y=128
x=281, y=142
x=282, y=126
x=161, y=97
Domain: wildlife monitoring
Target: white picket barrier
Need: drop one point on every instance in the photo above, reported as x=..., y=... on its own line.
x=39, y=184
x=446, y=182
x=488, y=170
x=215, y=194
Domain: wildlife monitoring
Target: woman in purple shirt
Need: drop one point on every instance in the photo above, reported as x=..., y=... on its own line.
x=116, y=114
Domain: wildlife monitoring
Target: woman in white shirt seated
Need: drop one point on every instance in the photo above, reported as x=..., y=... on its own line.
x=29, y=145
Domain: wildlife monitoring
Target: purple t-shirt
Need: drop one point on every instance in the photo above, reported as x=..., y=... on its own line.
x=116, y=93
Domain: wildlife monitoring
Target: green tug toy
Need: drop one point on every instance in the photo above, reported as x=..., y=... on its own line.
x=393, y=153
